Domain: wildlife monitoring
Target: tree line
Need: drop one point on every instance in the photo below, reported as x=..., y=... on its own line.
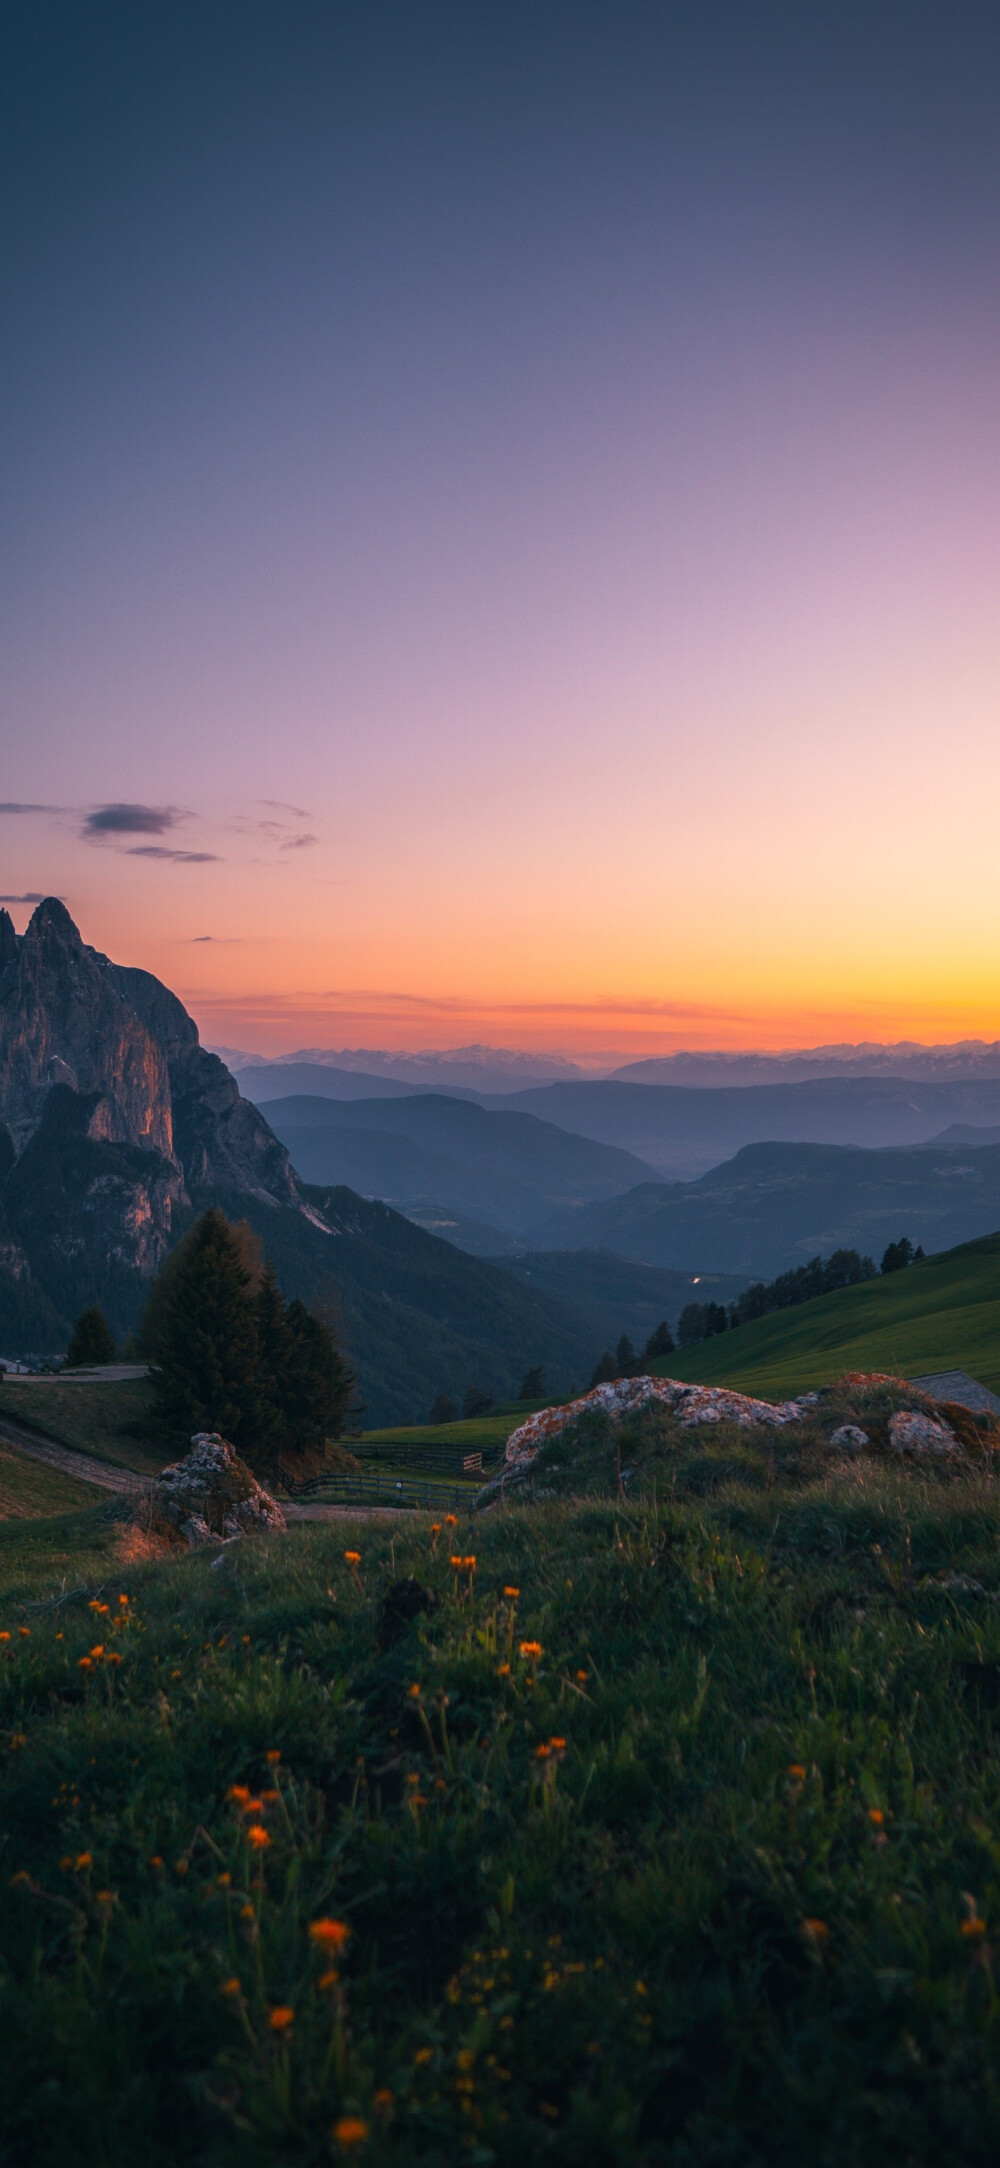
x=821, y=1276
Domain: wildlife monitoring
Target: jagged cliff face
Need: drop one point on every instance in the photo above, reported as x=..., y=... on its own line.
x=113, y=1120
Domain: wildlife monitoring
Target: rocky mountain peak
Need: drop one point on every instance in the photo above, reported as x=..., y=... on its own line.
x=112, y=1117
x=8, y=941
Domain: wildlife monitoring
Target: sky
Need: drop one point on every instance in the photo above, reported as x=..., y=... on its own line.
x=499, y=515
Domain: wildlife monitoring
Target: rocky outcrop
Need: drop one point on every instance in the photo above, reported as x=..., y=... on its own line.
x=113, y=1119
x=211, y=1496
x=688, y=1404
x=64, y=1021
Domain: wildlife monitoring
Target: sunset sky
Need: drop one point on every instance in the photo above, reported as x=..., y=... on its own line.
x=499, y=522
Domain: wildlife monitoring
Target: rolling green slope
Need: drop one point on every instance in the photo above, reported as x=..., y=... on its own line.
x=943, y=1314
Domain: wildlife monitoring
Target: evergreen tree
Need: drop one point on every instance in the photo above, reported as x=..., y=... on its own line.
x=202, y=1332
x=660, y=1343
x=605, y=1371
x=273, y=1354
x=443, y=1410
x=624, y=1356
x=316, y=1388
x=532, y=1385
x=476, y=1402
x=92, y=1340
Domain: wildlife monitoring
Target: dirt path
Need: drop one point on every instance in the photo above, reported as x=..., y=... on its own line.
x=83, y=1465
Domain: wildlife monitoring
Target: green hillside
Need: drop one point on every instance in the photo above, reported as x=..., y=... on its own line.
x=943, y=1314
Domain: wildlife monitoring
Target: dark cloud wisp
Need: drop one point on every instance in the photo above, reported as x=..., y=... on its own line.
x=179, y=858
x=131, y=820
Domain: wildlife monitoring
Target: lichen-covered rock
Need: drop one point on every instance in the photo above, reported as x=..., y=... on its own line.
x=850, y=1438
x=688, y=1404
x=211, y=1496
x=910, y=1431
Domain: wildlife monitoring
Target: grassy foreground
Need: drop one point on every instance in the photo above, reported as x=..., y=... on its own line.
x=943, y=1314
x=667, y=1834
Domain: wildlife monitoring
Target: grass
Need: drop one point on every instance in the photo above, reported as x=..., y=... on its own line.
x=742, y=1910
x=29, y=1490
x=942, y=1314
x=88, y=1414
x=472, y=1435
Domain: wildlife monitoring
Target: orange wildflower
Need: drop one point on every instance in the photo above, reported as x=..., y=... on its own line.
x=542, y=1752
x=795, y=1769
x=327, y=1979
x=112, y=1657
x=98, y=1649
x=353, y=1558
x=583, y=1676
x=225, y=1880
x=4, y=1636
x=280, y=2017
x=383, y=2102
x=503, y=1671
x=413, y=1691
x=469, y=1565
x=349, y=2131
x=123, y=1599
x=239, y=1793
x=817, y=1930
x=82, y=1861
x=156, y=1861
x=84, y=1663
x=457, y=1563
x=558, y=1746
x=435, y=1528
x=105, y=1897
x=512, y=1594
x=330, y=1934
x=451, y=1520
x=273, y=1755
x=258, y=1837
x=25, y=1632
x=531, y=1648
x=232, y=1987
x=973, y=1927
x=876, y=1816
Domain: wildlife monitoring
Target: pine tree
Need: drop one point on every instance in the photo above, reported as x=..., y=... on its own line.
x=532, y=1385
x=274, y=1347
x=316, y=1388
x=660, y=1343
x=443, y=1410
x=202, y=1330
x=605, y=1371
x=624, y=1355
x=92, y=1340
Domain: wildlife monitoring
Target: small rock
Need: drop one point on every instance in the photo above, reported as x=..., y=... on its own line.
x=913, y=1432
x=850, y=1438
x=210, y=1496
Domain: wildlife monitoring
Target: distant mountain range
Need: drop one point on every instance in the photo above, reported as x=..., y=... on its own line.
x=683, y=1131
x=773, y=1206
x=475, y=1068
x=490, y=1069
x=501, y=1166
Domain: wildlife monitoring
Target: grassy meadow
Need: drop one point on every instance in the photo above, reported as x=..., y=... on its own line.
x=942, y=1314
x=107, y=1419
x=657, y=1828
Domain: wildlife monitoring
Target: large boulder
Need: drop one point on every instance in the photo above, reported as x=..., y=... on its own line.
x=211, y=1496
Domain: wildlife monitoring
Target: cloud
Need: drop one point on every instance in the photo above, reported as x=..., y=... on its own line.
x=9, y=806
x=280, y=807
x=221, y=940
x=179, y=858
x=33, y=896
x=131, y=820
x=299, y=843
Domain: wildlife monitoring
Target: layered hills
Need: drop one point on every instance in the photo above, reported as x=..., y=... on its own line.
x=507, y=1168
x=683, y=1131
x=772, y=1206
x=116, y=1127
